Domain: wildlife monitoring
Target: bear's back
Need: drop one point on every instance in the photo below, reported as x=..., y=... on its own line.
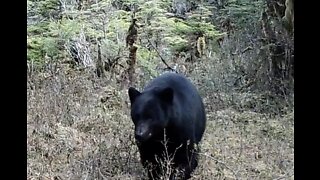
x=177, y=82
x=186, y=97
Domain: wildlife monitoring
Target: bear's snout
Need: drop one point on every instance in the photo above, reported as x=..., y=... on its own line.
x=142, y=133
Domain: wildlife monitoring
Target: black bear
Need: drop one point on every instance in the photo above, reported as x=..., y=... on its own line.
x=169, y=107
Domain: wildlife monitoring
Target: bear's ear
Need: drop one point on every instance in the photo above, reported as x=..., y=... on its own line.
x=166, y=95
x=133, y=94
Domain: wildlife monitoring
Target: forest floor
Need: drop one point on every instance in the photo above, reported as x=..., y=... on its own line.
x=79, y=127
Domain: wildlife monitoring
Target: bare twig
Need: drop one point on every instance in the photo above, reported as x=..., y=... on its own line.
x=161, y=56
x=243, y=51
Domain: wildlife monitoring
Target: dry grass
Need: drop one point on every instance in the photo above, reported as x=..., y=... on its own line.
x=79, y=128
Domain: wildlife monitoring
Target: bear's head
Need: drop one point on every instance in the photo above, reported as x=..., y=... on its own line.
x=150, y=111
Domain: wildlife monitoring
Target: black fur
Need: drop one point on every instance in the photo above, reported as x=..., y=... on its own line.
x=170, y=107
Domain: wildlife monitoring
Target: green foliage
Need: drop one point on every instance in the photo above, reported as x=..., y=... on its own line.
x=178, y=35
x=66, y=28
x=51, y=47
x=35, y=51
x=38, y=29
x=46, y=8
x=244, y=12
x=30, y=6
x=182, y=28
x=48, y=38
x=38, y=47
x=116, y=25
x=108, y=46
x=177, y=43
x=146, y=61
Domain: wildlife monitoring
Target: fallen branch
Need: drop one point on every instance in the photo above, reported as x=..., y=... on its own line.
x=170, y=68
x=244, y=50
